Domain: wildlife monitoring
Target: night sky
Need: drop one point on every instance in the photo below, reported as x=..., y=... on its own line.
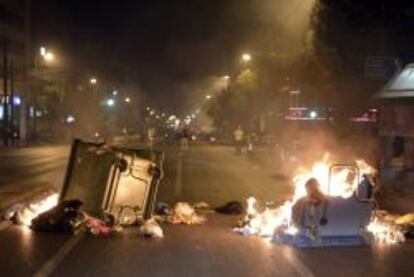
x=161, y=45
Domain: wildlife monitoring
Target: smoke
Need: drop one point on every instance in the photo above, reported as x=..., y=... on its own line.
x=344, y=145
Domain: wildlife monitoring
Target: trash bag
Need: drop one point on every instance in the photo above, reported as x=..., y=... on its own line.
x=230, y=208
x=97, y=226
x=184, y=213
x=65, y=217
x=151, y=229
x=409, y=232
x=162, y=209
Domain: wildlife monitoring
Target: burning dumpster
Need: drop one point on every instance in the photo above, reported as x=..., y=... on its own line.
x=119, y=181
x=336, y=211
x=332, y=220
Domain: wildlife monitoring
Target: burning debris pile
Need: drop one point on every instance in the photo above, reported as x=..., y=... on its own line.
x=184, y=213
x=386, y=229
x=330, y=206
x=24, y=213
x=47, y=214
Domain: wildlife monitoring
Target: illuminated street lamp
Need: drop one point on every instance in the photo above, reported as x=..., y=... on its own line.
x=115, y=93
x=110, y=102
x=246, y=57
x=70, y=119
x=127, y=99
x=42, y=51
x=208, y=96
x=93, y=81
x=47, y=55
x=226, y=77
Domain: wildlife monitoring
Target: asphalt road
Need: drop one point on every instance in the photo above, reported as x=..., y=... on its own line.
x=214, y=175
x=24, y=169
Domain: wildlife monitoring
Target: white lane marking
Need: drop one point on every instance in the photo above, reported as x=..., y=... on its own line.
x=4, y=224
x=63, y=251
x=296, y=263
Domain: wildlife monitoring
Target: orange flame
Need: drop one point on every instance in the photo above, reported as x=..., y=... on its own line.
x=35, y=209
x=342, y=183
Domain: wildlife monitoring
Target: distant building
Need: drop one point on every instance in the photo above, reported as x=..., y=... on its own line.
x=13, y=42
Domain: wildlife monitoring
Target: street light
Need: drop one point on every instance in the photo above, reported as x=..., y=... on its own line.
x=313, y=114
x=127, y=99
x=93, y=81
x=115, y=93
x=208, y=96
x=42, y=51
x=226, y=77
x=47, y=55
x=70, y=119
x=246, y=57
x=110, y=102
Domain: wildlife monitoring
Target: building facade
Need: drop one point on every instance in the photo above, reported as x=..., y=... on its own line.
x=13, y=68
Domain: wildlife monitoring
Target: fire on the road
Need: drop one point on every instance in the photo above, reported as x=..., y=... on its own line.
x=34, y=209
x=343, y=184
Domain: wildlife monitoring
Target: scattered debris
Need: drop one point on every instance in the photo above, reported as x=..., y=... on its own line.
x=23, y=213
x=184, y=213
x=162, y=209
x=97, y=226
x=65, y=217
x=231, y=208
x=201, y=206
x=151, y=229
x=384, y=228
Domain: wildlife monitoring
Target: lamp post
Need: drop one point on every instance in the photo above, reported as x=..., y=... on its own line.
x=43, y=61
x=247, y=58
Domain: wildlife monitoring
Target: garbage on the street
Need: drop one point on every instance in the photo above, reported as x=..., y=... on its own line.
x=151, y=229
x=64, y=217
x=385, y=229
x=105, y=188
x=24, y=213
x=184, y=213
x=230, y=208
x=331, y=205
x=97, y=226
x=115, y=180
x=201, y=206
x=162, y=209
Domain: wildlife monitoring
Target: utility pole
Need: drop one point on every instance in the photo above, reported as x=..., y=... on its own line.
x=12, y=128
x=27, y=65
x=5, y=96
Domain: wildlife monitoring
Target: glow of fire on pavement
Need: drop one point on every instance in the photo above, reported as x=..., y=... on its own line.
x=265, y=223
x=34, y=209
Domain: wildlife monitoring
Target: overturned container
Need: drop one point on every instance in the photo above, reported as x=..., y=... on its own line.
x=336, y=222
x=119, y=181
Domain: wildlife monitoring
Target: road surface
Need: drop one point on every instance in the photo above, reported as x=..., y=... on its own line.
x=206, y=173
x=25, y=169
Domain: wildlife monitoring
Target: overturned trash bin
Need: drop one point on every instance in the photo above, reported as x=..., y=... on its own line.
x=115, y=180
